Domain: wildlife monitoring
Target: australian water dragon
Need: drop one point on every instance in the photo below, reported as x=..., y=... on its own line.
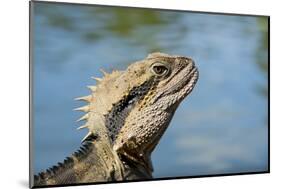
x=126, y=114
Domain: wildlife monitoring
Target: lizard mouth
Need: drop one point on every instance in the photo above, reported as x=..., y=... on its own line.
x=186, y=79
x=191, y=80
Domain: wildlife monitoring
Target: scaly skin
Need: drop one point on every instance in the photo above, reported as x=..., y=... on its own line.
x=126, y=115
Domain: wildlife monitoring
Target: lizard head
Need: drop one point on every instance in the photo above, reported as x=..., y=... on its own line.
x=163, y=82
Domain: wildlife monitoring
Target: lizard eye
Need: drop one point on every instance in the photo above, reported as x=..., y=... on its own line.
x=159, y=69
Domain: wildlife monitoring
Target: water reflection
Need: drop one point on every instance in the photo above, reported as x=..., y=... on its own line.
x=138, y=27
x=225, y=111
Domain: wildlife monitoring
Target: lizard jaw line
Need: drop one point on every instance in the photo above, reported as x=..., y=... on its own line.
x=191, y=81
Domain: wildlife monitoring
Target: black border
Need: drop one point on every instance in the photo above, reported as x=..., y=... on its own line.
x=30, y=176
x=268, y=79
x=154, y=179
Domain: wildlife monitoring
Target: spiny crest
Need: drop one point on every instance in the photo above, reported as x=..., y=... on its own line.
x=104, y=98
x=83, y=108
x=104, y=73
x=84, y=98
x=82, y=127
x=101, y=85
x=84, y=117
x=92, y=88
x=68, y=162
x=83, y=150
x=87, y=136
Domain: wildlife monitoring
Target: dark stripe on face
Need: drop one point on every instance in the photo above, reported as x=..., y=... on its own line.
x=116, y=117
